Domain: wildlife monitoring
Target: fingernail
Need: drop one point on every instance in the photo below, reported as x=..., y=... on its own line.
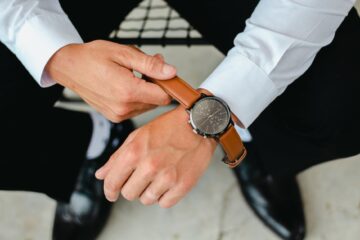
x=114, y=197
x=168, y=69
x=151, y=196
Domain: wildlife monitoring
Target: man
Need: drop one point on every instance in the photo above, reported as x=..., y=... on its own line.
x=313, y=121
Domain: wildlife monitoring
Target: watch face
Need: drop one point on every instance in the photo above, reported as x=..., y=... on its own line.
x=210, y=116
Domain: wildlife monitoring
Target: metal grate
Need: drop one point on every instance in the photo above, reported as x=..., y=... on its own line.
x=153, y=22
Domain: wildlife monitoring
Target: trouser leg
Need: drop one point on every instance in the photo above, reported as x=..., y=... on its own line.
x=317, y=118
x=42, y=147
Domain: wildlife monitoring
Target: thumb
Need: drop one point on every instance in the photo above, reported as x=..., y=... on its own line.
x=152, y=66
x=157, y=64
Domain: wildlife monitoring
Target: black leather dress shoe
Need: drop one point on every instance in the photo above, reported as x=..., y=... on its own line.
x=275, y=200
x=86, y=214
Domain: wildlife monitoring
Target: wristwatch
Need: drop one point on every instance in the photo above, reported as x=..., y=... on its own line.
x=210, y=117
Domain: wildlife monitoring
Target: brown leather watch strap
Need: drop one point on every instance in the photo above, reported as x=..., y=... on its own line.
x=178, y=89
x=233, y=147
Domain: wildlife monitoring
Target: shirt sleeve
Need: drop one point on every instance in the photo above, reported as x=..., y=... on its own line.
x=279, y=43
x=34, y=31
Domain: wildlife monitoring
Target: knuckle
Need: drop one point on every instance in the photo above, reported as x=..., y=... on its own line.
x=121, y=111
x=131, y=155
x=115, y=118
x=95, y=42
x=170, y=178
x=131, y=159
x=185, y=185
x=152, y=63
x=123, y=55
x=123, y=51
x=98, y=42
x=150, y=171
x=166, y=100
x=152, y=168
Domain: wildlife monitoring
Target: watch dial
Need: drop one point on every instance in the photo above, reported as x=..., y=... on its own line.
x=210, y=116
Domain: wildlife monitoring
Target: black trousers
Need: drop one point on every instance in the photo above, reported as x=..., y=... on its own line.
x=313, y=121
x=42, y=147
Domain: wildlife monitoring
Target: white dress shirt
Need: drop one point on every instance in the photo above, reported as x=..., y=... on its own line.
x=278, y=45
x=34, y=30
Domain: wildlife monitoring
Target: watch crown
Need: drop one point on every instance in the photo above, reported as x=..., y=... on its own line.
x=205, y=136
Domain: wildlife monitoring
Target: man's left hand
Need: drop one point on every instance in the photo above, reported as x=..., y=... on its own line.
x=159, y=162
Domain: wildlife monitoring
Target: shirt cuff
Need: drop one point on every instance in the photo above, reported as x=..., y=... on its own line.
x=39, y=38
x=244, y=86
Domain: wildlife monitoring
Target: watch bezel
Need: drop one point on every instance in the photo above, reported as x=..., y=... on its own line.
x=199, y=131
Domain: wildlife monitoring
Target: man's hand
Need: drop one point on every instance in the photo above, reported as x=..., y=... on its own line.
x=101, y=73
x=159, y=162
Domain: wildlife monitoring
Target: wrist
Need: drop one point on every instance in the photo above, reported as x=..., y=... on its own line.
x=59, y=62
x=182, y=117
x=233, y=116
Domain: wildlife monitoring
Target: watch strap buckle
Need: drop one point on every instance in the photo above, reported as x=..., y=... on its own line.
x=236, y=162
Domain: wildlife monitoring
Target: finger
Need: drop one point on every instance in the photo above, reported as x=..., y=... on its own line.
x=103, y=109
x=139, y=106
x=138, y=112
x=149, y=65
x=114, y=182
x=160, y=56
x=136, y=184
x=156, y=189
x=173, y=196
x=134, y=113
x=151, y=93
x=104, y=170
x=125, y=163
x=107, y=112
x=139, y=90
x=135, y=109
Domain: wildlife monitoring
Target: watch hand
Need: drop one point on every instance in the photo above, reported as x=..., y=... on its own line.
x=209, y=117
x=203, y=122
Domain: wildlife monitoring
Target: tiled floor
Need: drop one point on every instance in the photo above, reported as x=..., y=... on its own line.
x=215, y=209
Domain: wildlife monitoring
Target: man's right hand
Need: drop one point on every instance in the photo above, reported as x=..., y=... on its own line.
x=101, y=73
